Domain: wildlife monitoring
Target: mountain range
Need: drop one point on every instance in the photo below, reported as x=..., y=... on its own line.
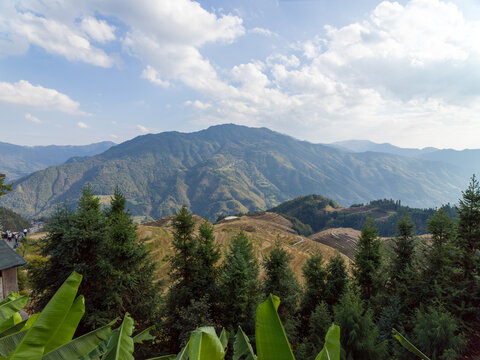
x=468, y=159
x=17, y=160
x=229, y=168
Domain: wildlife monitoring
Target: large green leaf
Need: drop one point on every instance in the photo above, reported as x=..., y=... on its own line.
x=164, y=357
x=204, y=344
x=331, y=349
x=21, y=326
x=144, y=336
x=270, y=337
x=242, y=348
x=8, y=311
x=65, y=332
x=183, y=354
x=120, y=345
x=81, y=346
x=9, y=343
x=52, y=316
x=12, y=296
x=408, y=345
x=224, y=338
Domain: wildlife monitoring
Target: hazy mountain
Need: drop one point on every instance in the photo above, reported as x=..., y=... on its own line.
x=468, y=159
x=230, y=168
x=17, y=161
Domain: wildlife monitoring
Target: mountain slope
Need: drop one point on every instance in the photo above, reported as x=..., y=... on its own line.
x=229, y=168
x=17, y=161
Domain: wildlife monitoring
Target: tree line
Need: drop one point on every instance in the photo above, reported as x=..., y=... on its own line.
x=426, y=289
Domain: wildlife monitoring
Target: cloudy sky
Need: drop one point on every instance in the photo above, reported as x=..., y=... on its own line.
x=77, y=72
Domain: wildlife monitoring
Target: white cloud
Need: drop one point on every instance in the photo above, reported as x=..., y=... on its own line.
x=24, y=93
x=152, y=75
x=32, y=118
x=198, y=104
x=143, y=129
x=55, y=37
x=262, y=31
x=82, y=125
x=98, y=30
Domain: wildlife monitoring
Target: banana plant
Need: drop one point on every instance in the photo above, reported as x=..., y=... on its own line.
x=408, y=345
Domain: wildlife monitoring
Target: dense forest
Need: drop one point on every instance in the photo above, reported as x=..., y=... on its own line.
x=314, y=213
x=426, y=289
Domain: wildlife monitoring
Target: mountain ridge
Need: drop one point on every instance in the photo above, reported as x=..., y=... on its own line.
x=231, y=168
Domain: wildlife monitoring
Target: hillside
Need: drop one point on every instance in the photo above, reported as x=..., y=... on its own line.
x=468, y=159
x=315, y=213
x=263, y=230
x=17, y=161
x=10, y=220
x=228, y=169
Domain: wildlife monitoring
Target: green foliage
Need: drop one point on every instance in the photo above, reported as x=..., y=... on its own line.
x=336, y=280
x=367, y=264
x=100, y=245
x=318, y=326
x=239, y=289
x=191, y=297
x=359, y=333
x=9, y=220
x=4, y=188
x=436, y=334
x=279, y=279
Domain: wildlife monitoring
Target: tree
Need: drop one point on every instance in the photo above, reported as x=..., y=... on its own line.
x=239, y=289
x=368, y=261
x=314, y=274
x=436, y=334
x=403, y=250
x=280, y=281
x=336, y=279
x=4, y=188
x=320, y=321
x=359, y=334
x=193, y=279
x=118, y=276
x=133, y=286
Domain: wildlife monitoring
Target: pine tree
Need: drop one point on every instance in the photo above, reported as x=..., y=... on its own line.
x=280, y=281
x=4, y=188
x=193, y=280
x=368, y=261
x=336, y=279
x=359, y=335
x=133, y=285
x=315, y=275
x=320, y=321
x=239, y=291
x=436, y=334
x=74, y=243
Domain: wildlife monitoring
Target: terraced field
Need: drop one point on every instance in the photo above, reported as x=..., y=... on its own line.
x=263, y=230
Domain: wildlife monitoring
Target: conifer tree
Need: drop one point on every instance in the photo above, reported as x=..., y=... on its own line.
x=319, y=322
x=193, y=280
x=359, y=335
x=315, y=275
x=336, y=279
x=368, y=261
x=240, y=294
x=280, y=281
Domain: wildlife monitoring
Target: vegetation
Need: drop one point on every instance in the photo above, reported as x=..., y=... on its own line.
x=314, y=213
x=228, y=169
x=9, y=220
x=101, y=245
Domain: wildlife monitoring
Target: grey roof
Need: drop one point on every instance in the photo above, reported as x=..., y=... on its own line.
x=8, y=257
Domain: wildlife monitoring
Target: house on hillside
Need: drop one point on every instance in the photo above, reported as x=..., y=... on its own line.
x=9, y=261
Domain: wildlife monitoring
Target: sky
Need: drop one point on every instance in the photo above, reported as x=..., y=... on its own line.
x=83, y=71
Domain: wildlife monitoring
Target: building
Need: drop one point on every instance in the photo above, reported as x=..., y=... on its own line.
x=9, y=260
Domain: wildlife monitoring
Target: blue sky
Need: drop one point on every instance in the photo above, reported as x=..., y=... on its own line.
x=77, y=72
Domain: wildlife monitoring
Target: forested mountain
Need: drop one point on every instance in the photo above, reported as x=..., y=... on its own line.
x=314, y=213
x=228, y=168
x=17, y=161
x=468, y=159
x=10, y=220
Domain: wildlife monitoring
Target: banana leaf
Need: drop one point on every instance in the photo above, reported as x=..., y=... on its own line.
x=24, y=325
x=120, y=345
x=66, y=330
x=204, y=344
x=331, y=349
x=164, y=357
x=183, y=354
x=9, y=343
x=144, y=336
x=270, y=337
x=242, y=348
x=12, y=296
x=408, y=345
x=8, y=311
x=33, y=344
x=224, y=338
x=79, y=347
